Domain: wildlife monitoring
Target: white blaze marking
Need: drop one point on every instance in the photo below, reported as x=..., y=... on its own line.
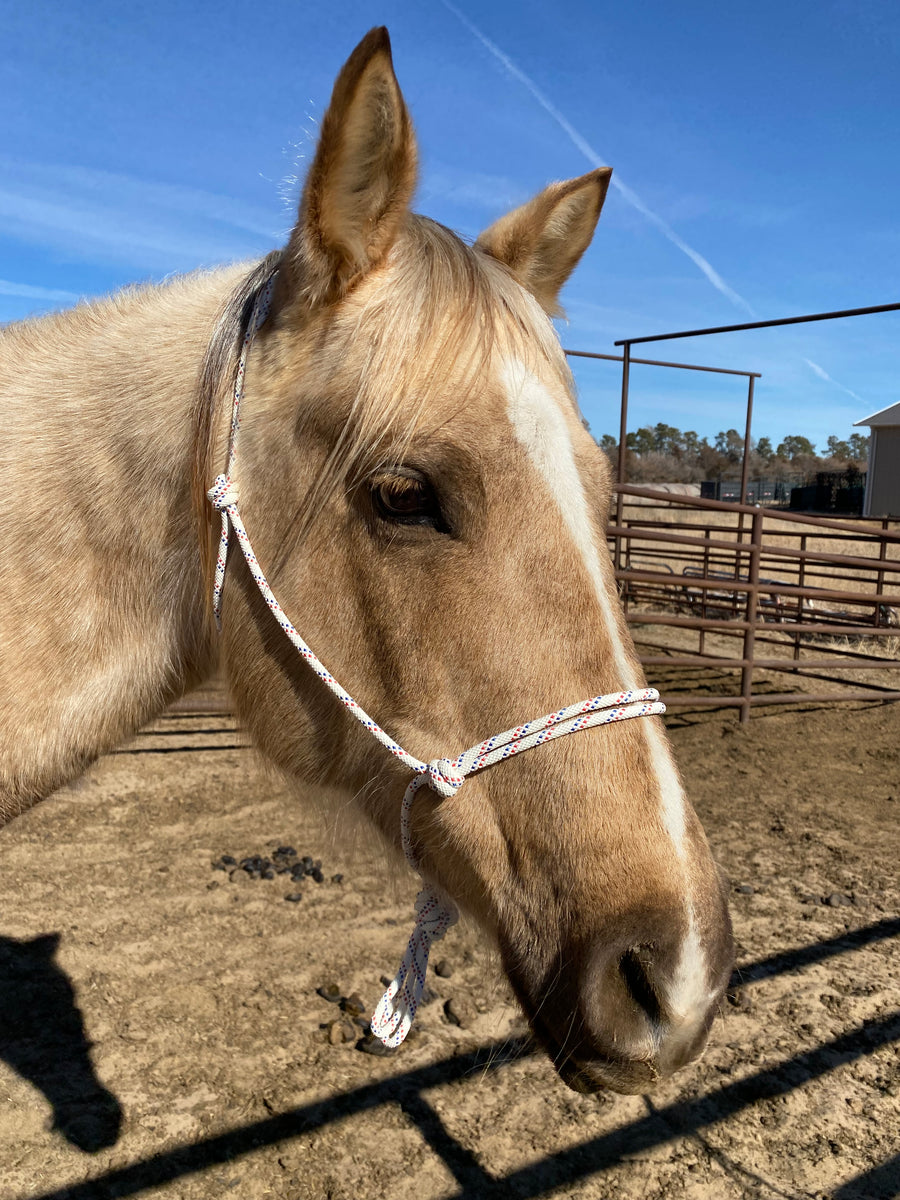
x=688, y=994
x=541, y=428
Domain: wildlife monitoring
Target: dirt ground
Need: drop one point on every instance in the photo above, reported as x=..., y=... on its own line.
x=161, y=1033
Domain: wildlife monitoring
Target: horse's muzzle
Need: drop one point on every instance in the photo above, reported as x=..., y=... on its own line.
x=633, y=1014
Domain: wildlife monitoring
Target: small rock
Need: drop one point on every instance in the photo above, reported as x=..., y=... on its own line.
x=213, y=883
x=285, y=852
x=443, y=969
x=229, y=860
x=839, y=900
x=330, y=992
x=316, y=875
x=459, y=1011
x=294, y=897
x=371, y=1045
x=739, y=998
x=340, y=1031
x=353, y=1006
x=745, y=889
x=337, y=878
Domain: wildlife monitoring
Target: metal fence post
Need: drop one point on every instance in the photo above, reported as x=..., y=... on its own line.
x=620, y=465
x=745, y=462
x=801, y=582
x=752, y=612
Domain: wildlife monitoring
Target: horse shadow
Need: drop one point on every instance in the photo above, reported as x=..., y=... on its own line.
x=42, y=1037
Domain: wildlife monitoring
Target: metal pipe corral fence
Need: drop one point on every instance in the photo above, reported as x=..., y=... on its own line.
x=674, y=573
x=826, y=611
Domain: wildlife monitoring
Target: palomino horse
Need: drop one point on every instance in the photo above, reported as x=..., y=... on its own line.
x=428, y=506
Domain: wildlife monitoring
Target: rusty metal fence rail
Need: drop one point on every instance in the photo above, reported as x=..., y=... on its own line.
x=821, y=596
x=813, y=590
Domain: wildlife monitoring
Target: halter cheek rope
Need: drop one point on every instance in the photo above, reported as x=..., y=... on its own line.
x=435, y=912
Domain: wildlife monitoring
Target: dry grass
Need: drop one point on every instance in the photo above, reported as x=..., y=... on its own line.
x=656, y=640
x=778, y=533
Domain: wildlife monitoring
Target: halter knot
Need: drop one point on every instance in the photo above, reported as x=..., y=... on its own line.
x=222, y=494
x=435, y=913
x=444, y=778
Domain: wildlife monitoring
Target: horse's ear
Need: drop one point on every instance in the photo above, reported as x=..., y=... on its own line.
x=44, y=945
x=358, y=189
x=542, y=241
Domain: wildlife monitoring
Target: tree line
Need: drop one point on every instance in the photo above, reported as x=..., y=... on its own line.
x=661, y=453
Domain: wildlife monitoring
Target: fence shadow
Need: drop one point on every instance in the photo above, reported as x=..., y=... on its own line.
x=881, y=1183
x=565, y=1167
x=42, y=1037
x=48, y=1046
x=805, y=956
x=690, y=1116
x=405, y=1089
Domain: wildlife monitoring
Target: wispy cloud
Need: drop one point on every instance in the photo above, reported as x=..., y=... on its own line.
x=29, y=291
x=823, y=375
x=596, y=160
x=87, y=214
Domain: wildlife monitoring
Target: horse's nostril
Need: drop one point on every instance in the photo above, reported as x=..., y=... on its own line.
x=636, y=965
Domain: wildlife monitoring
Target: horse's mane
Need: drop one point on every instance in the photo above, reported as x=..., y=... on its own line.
x=442, y=306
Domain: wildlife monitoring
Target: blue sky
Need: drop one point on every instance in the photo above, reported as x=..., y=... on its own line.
x=756, y=149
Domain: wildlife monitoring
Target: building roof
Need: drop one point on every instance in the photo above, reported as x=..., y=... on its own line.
x=884, y=416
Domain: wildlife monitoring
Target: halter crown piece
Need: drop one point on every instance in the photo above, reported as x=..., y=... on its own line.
x=435, y=912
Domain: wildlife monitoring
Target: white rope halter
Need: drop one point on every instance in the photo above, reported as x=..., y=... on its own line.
x=435, y=912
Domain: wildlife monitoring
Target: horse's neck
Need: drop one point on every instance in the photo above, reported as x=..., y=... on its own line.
x=101, y=547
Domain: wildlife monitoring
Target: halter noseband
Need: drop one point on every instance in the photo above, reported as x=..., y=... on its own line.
x=435, y=912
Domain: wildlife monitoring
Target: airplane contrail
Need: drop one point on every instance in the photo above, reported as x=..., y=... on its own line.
x=823, y=374
x=628, y=194
x=596, y=160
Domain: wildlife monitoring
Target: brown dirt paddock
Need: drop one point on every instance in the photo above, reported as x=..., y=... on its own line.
x=161, y=1033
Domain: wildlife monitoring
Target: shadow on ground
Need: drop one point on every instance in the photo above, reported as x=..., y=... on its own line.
x=42, y=1037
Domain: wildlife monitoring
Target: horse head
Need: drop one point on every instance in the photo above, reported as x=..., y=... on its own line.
x=431, y=511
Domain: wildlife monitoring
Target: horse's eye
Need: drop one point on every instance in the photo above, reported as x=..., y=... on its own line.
x=406, y=499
